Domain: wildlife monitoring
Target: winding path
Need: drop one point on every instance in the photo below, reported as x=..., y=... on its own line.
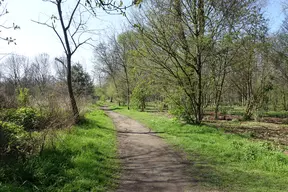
x=149, y=164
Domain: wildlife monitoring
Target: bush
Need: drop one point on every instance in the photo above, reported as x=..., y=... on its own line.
x=182, y=109
x=7, y=114
x=29, y=118
x=13, y=138
x=140, y=95
x=23, y=96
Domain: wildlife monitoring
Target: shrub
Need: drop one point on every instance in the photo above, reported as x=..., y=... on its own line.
x=27, y=117
x=7, y=114
x=23, y=96
x=140, y=95
x=182, y=109
x=13, y=138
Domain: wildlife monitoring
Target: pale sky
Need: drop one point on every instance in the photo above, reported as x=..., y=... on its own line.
x=33, y=38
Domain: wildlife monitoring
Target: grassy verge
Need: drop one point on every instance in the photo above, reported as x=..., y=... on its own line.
x=81, y=159
x=225, y=161
x=238, y=110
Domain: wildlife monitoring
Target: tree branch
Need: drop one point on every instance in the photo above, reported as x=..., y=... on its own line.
x=54, y=29
x=72, y=15
x=80, y=45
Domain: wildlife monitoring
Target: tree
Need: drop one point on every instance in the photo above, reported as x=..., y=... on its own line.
x=108, y=63
x=71, y=29
x=180, y=37
x=81, y=81
x=279, y=58
x=16, y=68
x=251, y=75
x=74, y=26
x=41, y=69
x=122, y=50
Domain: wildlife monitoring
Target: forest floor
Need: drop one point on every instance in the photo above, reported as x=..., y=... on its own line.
x=149, y=163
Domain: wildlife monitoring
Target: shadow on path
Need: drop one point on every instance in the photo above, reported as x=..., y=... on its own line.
x=149, y=164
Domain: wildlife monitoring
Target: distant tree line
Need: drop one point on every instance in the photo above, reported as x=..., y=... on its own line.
x=34, y=99
x=194, y=56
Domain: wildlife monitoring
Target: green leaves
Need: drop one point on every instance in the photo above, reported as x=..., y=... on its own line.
x=81, y=80
x=137, y=2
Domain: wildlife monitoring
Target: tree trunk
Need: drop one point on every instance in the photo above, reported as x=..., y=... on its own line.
x=200, y=28
x=249, y=110
x=128, y=87
x=70, y=91
x=116, y=87
x=143, y=106
x=69, y=54
x=216, y=111
x=284, y=102
x=219, y=94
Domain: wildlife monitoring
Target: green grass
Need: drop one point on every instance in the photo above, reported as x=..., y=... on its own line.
x=82, y=159
x=278, y=114
x=238, y=110
x=224, y=161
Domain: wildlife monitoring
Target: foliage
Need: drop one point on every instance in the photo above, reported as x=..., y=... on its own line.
x=180, y=105
x=140, y=94
x=23, y=96
x=81, y=80
x=13, y=139
x=179, y=45
x=27, y=117
x=18, y=138
x=81, y=159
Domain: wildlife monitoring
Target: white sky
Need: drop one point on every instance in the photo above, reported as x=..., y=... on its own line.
x=33, y=38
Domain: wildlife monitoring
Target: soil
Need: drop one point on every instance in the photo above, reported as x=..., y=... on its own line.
x=267, y=128
x=277, y=133
x=149, y=164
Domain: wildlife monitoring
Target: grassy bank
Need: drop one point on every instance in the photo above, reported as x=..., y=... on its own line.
x=81, y=159
x=225, y=161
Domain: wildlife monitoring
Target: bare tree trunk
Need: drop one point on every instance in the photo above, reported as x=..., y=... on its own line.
x=219, y=94
x=284, y=102
x=116, y=87
x=69, y=54
x=200, y=27
x=128, y=87
x=70, y=91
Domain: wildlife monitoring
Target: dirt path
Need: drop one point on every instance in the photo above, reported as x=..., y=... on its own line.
x=149, y=163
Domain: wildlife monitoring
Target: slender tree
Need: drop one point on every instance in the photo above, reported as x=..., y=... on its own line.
x=72, y=27
x=180, y=37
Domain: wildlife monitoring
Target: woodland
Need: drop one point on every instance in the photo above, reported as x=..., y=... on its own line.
x=195, y=62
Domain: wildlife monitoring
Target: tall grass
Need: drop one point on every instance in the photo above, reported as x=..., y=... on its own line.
x=225, y=161
x=82, y=158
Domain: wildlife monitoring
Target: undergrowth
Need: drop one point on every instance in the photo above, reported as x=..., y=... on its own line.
x=82, y=158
